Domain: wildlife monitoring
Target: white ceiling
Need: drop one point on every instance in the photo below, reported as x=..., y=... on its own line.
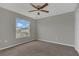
x=53, y=8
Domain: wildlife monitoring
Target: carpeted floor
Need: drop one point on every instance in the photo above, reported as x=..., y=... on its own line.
x=39, y=48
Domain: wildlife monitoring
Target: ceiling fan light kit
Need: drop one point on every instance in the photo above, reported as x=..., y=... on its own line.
x=39, y=8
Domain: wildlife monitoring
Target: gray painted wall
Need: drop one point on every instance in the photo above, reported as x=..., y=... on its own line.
x=8, y=29
x=57, y=29
x=77, y=30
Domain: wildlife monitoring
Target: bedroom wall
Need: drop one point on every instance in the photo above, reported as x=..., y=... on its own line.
x=57, y=29
x=8, y=29
x=77, y=30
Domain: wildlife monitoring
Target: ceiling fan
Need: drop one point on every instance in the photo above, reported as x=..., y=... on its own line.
x=39, y=8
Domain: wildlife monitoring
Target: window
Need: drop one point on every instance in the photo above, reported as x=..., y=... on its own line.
x=22, y=28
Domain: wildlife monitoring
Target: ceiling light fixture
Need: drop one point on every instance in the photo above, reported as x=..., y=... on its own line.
x=39, y=8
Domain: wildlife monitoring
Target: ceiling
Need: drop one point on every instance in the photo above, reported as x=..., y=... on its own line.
x=53, y=8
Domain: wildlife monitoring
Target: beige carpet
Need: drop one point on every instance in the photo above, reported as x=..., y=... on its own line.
x=39, y=48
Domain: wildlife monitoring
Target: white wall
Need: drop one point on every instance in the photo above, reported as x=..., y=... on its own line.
x=57, y=29
x=8, y=29
x=77, y=30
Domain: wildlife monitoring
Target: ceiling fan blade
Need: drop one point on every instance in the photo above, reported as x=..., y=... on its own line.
x=44, y=6
x=34, y=6
x=45, y=11
x=32, y=10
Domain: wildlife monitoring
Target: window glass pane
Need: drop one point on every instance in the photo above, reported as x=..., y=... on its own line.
x=22, y=28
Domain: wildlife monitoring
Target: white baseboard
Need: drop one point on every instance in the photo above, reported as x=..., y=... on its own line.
x=14, y=45
x=77, y=49
x=57, y=43
x=40, y=40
